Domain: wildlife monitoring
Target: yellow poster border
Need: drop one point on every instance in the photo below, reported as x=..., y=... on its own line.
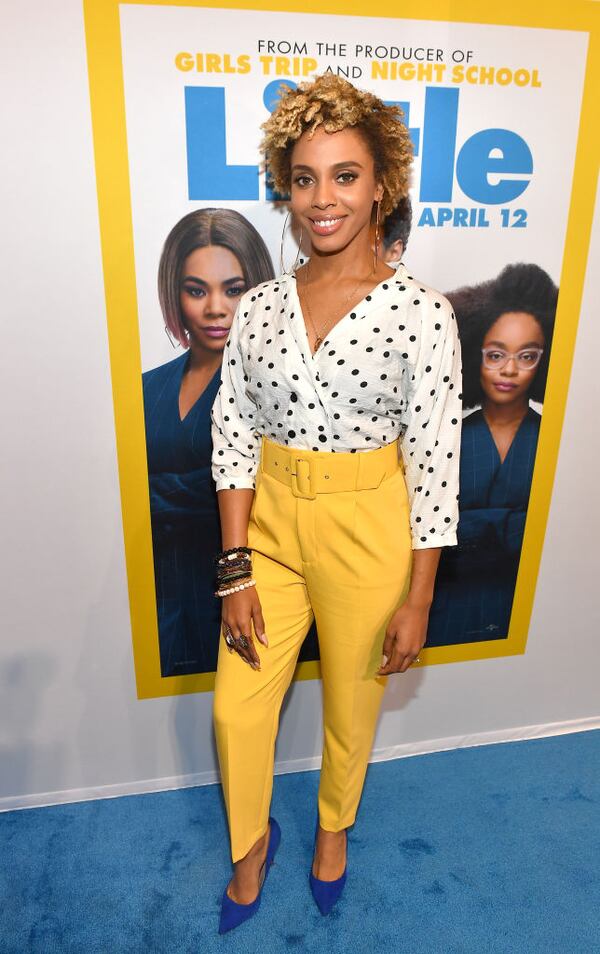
x=103, y=41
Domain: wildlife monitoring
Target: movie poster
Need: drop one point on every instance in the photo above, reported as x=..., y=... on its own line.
x=495, y=128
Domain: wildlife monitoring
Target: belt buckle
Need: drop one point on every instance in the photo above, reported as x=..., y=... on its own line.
x=303, y=487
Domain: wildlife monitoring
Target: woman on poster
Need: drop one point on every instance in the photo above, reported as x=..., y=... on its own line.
x=506, y=327
x=336, y=437
x=210, y=258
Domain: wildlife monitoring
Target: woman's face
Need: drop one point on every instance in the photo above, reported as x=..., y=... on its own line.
x=333, y=187
x=513, y=331
x=211, y=285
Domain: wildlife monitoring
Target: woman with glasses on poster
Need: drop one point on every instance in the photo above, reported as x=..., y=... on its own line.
x=210, y=258
x=506, y=328
x=336, y=437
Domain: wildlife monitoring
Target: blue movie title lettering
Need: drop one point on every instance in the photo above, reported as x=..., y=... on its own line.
x=499, y=153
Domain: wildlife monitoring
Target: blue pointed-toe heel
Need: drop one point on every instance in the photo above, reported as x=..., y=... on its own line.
x=234, y=914
x=326, y=893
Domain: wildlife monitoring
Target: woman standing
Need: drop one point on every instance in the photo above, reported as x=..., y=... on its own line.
x=506, y=328
x=324, y=371
x=209, y=259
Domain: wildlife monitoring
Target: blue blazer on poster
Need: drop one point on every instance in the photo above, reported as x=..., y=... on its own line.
x=186, y=532
x=185, y=521
x=475, y=582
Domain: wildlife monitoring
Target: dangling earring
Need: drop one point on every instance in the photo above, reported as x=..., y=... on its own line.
x=281, y=263
x=377, y=238
x=173, y=341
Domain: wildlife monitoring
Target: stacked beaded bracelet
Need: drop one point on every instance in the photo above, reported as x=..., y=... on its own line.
x=236, y=589
x=234, y=571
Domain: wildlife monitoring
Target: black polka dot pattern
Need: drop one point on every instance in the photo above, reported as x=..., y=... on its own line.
x=390, y=369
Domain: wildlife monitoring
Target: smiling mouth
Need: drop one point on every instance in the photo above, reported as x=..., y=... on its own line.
x=327, y=225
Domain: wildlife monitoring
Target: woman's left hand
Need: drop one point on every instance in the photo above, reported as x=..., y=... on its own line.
x=404, y=638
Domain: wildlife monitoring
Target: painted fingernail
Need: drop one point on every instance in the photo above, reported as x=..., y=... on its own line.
x=384, y=660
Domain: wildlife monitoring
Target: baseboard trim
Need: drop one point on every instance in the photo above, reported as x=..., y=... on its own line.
x=405, y=750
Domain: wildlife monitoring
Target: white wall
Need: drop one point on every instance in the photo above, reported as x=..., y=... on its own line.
x=70, y=723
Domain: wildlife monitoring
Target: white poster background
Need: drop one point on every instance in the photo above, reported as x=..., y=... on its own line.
x=446, y=257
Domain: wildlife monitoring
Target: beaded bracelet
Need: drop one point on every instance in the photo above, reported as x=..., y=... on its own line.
x=230, y=562
x=235, y=551
x=231, y=577
x=236, y=589
x=231, y=567
x=234, y=570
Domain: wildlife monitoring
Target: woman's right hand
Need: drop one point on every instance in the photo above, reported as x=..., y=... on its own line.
x=241, y=612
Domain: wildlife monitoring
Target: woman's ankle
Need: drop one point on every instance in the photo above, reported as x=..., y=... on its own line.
x=257, y=849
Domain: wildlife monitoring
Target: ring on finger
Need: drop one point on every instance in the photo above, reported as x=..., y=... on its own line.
x=242, y=641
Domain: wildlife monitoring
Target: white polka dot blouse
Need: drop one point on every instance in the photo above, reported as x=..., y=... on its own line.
x=390, y=368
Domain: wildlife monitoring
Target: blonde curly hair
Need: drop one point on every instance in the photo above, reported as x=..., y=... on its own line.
x=334, y=104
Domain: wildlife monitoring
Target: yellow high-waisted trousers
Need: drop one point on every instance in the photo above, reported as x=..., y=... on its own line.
x=330, y=536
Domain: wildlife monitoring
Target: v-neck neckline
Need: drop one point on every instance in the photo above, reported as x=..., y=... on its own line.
x=512, y=443
x=209, y=383
x=342, y=319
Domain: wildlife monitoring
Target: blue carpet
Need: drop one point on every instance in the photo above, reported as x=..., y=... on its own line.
x=488, y=849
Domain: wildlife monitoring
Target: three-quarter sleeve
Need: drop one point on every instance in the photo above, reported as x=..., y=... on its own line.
x=433, y=419
x=236, y=443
